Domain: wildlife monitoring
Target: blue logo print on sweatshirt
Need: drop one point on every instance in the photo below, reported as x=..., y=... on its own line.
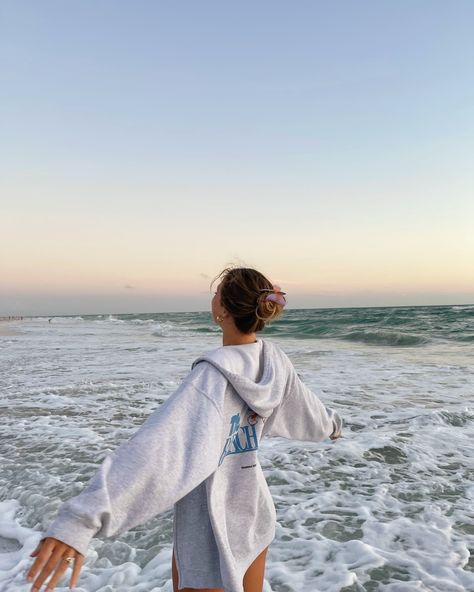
x=240, y=438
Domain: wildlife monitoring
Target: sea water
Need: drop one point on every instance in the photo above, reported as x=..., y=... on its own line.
x=389, y=506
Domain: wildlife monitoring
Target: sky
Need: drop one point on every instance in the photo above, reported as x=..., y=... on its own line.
x=146, y=145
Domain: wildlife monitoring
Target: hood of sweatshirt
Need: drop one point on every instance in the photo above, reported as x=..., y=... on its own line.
x=255, y=370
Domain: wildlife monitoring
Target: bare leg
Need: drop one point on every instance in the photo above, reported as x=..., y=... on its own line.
x=254, y=576
x=253, y=579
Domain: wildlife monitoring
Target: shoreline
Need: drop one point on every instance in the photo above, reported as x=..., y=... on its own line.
x=6, y=330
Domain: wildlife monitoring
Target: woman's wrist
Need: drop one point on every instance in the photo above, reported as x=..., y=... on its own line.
x=336, y=433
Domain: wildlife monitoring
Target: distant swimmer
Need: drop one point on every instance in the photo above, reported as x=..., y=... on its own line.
x=49, y=320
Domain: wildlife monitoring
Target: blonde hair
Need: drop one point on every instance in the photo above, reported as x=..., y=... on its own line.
x=243, y=293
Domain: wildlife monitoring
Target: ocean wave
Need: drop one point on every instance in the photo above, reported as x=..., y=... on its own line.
x=208, y=330
x=465, y=338
x=391, y=338
x=56, y=318
x=301, y=329
x=114, y=319
x=457, y=419
x=370, y=336
x=163, y=329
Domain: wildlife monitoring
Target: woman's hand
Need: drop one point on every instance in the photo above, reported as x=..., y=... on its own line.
x=53, y=556
x=337, y=433
x=337, y=425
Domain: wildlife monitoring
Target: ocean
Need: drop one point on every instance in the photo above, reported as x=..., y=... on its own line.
x=388, y=507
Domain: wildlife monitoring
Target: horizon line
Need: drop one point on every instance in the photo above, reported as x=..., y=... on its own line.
x=15, y=317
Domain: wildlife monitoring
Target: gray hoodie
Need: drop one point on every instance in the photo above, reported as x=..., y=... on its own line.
x=198, y=453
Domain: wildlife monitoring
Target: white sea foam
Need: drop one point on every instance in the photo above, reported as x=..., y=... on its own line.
x=387, y=507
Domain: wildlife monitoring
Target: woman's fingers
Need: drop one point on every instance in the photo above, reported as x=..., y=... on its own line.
x=36, y=551
x=52, y=558
x=49, y=567
x=43, y=552
x=60, y=569
x=77, y=570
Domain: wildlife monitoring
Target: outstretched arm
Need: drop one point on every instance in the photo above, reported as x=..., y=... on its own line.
x=301, y=415
x=176, y=448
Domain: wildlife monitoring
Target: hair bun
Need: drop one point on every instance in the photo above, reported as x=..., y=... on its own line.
x=267, y=310
x=250, y=298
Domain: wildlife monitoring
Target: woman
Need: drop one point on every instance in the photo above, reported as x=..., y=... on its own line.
x=198, y=453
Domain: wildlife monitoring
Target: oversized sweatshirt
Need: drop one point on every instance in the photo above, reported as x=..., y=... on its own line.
x=198, y=453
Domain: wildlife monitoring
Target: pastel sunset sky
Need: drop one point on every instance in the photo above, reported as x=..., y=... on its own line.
x=146, y=145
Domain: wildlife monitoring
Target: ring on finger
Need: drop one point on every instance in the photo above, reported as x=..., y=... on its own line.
x=69, y=560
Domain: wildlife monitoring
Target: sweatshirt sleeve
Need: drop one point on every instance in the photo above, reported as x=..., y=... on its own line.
x=301, y=415
x=175, y=449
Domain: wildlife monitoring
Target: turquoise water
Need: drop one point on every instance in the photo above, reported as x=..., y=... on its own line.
x=397, y=326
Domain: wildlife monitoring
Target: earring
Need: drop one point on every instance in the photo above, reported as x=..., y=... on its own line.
x=219, y=318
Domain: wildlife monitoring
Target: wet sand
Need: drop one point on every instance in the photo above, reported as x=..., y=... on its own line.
x=6, y=330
